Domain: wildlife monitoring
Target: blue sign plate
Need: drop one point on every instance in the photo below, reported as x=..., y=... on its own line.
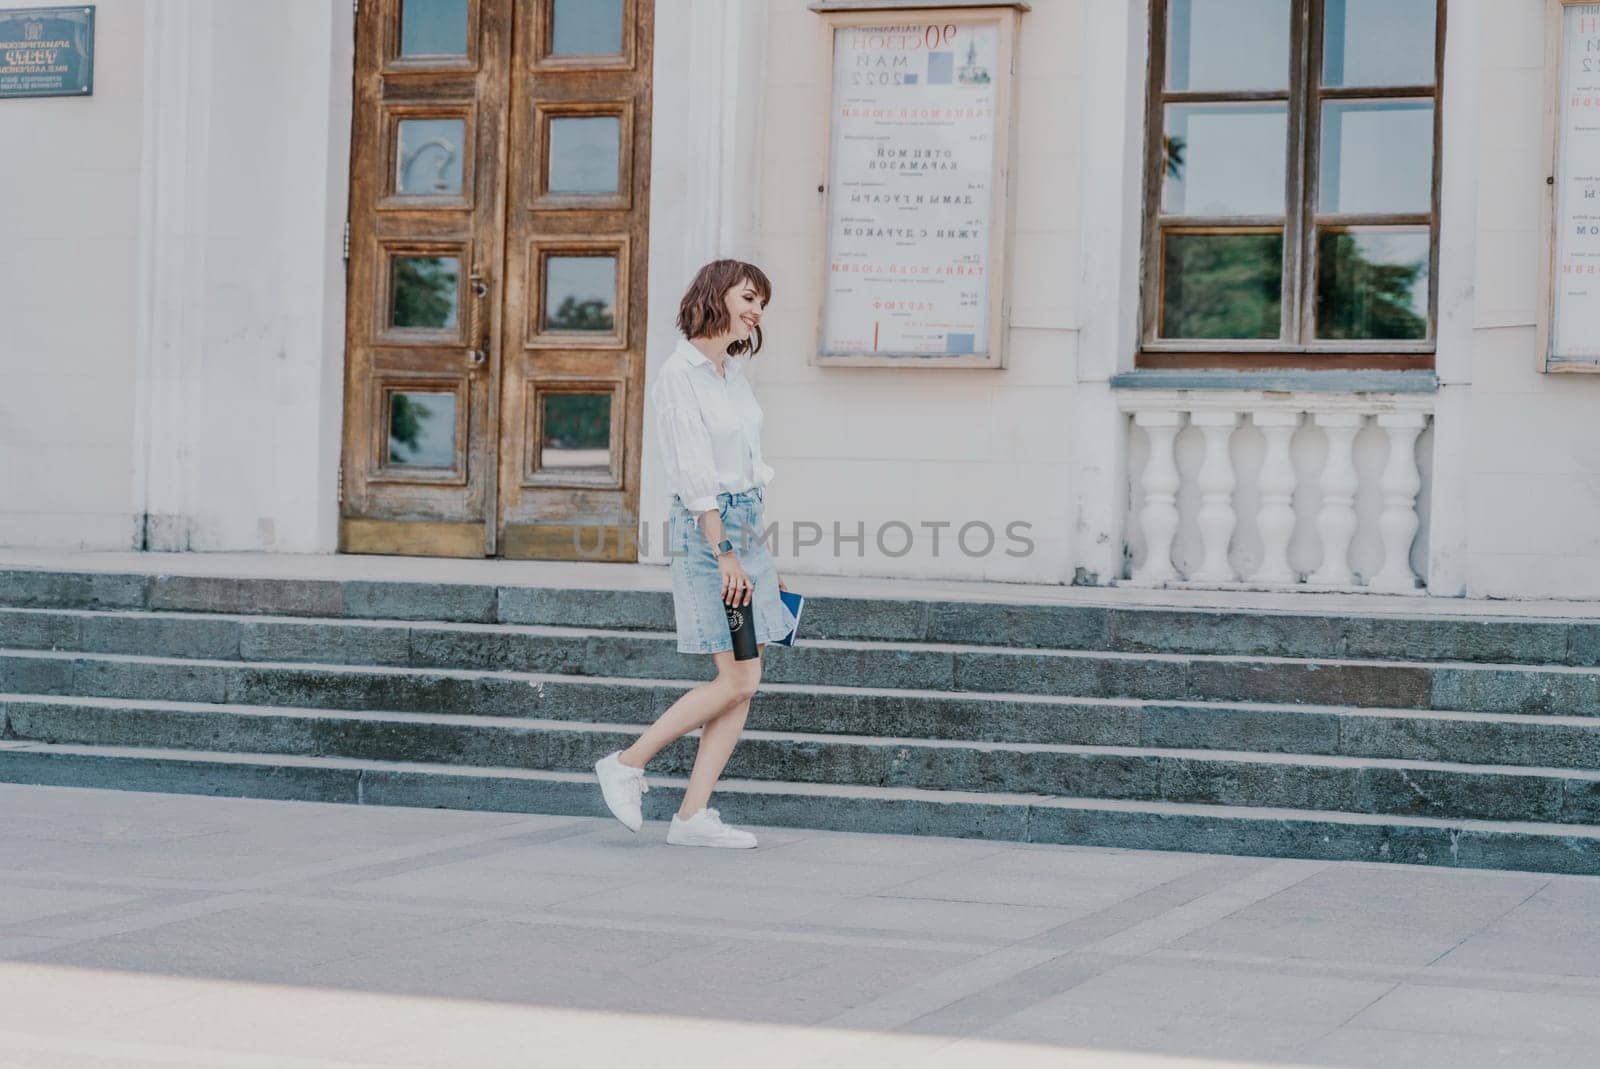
x=47, y=52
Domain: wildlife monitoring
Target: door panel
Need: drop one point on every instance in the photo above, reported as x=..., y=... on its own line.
x=576, y=226
x=426, y=204
x=499, y=213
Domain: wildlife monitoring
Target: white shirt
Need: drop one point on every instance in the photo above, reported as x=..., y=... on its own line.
x=709, y=427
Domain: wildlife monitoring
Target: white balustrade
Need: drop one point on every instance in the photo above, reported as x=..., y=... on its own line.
x=1217, y=519
x=1159, y=517
x=1329, y=498
x=1275, y=485
x=1336, y=520
x=1401, y=480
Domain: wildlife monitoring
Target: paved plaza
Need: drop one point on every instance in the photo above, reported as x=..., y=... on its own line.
x=155, y=930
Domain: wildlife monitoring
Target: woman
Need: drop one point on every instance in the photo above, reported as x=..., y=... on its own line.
x=709, y=427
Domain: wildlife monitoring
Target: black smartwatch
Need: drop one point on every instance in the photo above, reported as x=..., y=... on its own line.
x=724, y=546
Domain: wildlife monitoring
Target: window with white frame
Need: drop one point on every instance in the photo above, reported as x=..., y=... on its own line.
x=1292, y=186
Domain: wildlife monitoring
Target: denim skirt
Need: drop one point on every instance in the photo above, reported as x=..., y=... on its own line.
x=697, y=603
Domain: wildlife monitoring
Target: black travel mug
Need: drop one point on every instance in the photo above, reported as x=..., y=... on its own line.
x=742, y=626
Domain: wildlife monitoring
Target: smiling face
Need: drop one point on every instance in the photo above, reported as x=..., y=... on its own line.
x=745, y=305
x=725, y=303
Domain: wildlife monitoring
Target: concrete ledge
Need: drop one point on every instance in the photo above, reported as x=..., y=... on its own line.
x=1284, y=381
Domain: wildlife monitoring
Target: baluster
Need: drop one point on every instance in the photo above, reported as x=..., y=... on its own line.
x=1216, y=482
x=1398, y=522
x=1275, y=517
x=1336, y=519
x=1158, y=518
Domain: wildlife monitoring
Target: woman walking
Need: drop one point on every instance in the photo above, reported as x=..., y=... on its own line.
x=709, y=427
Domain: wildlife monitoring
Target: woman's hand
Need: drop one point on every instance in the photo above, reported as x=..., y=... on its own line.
x=781, y=585
x=736, y=586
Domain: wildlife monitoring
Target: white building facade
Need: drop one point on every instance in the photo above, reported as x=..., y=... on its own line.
x=1305, y=348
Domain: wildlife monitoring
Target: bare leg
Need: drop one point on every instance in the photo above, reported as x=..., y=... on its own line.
x=717, y=740
x=708, y=702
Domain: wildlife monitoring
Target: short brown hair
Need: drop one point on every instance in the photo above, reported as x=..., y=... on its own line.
x=703, y=313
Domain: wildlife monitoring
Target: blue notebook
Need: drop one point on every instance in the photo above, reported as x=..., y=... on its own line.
x=797, y=604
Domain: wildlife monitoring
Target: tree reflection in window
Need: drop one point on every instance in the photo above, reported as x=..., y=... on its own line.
x=577, y=431
x=1222, y=285
x=425, y=291
x=1372, y=285
x=582, y=314
x=422, y=429
x=580, y=293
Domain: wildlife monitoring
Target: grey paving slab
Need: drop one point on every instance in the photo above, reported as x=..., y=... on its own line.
x=1130, y=1029
x=507, y=960
x=1555, y=931
x=725, y=899
x=23, y=903
x=1371, y=1048
x=1172, y=992
x=1075, y=896
x=484, y=884
x=887, y=850
x=978, y=1010
x=978, y=919
x=259, y=942
x=771, y=869
x=1365, y=913
x=1540, y=1018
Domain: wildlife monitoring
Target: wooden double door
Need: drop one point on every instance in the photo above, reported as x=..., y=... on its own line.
x=499, y=210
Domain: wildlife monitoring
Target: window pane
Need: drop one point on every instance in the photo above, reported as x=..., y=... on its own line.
x=433, y=28
x=1372, y=284
x=422, y=430
x=1225, y=159
x=1378, y=42
x=1377, y=156
x=586, y=28
x=1228, y=44
x=577, y=432
x=584, y=154
x=1221, y=285
x=428, y=157
x=580, y=293
x=425, y=292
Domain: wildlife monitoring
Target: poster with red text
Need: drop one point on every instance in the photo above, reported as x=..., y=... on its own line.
x=911, y=175
x=1575, y=336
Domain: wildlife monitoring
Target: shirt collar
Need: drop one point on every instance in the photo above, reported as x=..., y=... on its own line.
x=693, y=354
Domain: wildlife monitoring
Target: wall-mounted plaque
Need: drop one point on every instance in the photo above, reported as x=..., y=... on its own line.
x=914, y=265
x=1569, y=321
x=47, y=52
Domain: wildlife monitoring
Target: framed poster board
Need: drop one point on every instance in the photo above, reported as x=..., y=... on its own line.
x=1569, y=277
x=916, y=195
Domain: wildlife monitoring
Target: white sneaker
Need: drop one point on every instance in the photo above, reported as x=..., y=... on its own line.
x=705, y=828
x=622, y=785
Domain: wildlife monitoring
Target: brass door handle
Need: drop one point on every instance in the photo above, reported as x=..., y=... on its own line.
x=480, y=334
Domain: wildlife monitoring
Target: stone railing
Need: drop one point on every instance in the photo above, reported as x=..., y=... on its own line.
x=1277, y=489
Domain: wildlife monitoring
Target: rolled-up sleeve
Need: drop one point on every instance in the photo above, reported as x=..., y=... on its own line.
x=686, y=446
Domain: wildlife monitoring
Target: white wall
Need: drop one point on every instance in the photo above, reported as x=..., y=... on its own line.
x=1533, y=515
x=172, y=374
x=245, y=185
x=69, y=227
x=871, y=446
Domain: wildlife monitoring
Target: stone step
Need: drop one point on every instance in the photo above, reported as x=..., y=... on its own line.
x=1256, y=831
x=1402, y=734
x=1361, y=785
x=1461, y=686
x=1024, y=623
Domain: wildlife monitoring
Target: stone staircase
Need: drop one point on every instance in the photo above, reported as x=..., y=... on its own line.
x=1422, y=739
